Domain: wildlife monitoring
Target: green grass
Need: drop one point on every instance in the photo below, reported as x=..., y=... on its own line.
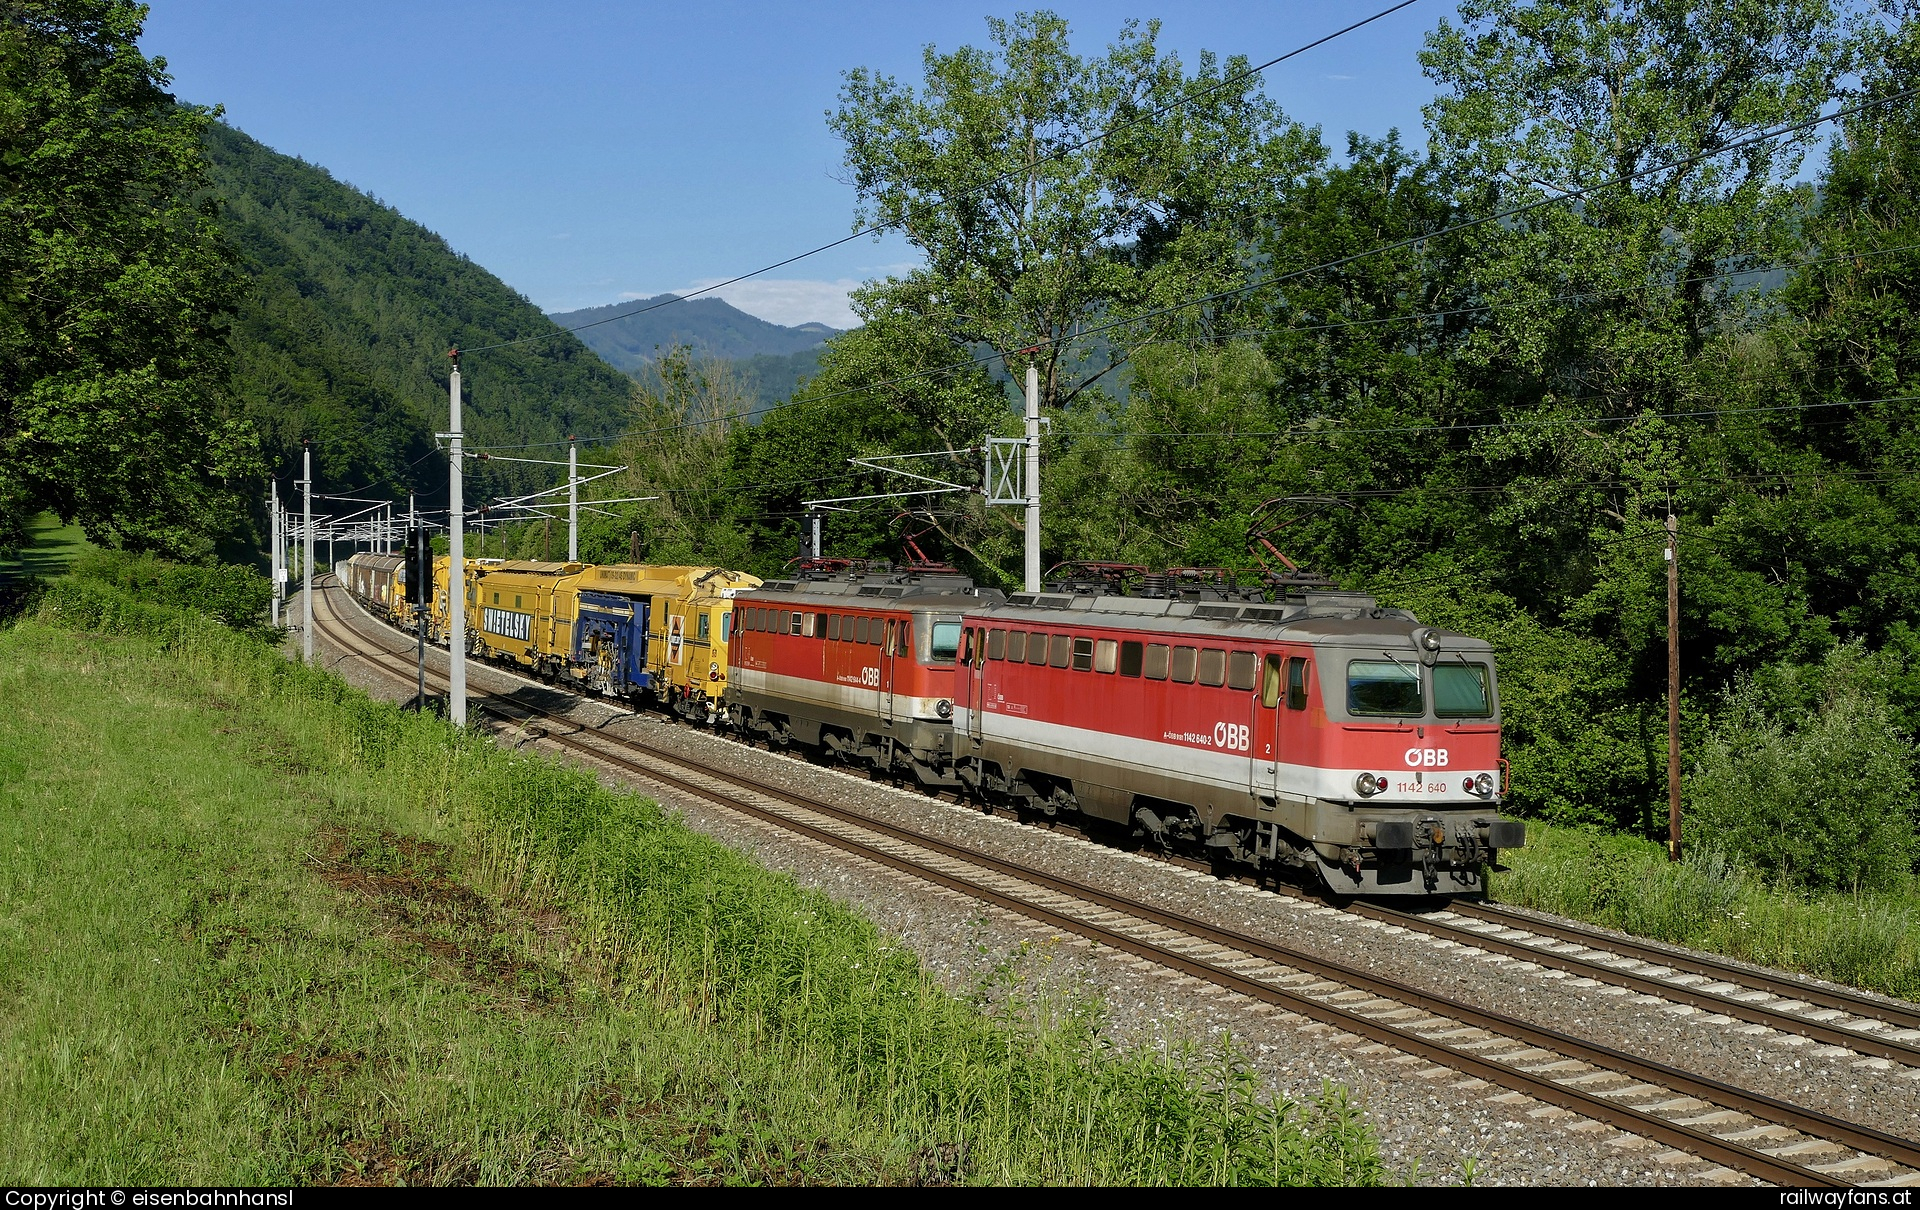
x=256, y=928
x=1870, y=940
x=50, y=547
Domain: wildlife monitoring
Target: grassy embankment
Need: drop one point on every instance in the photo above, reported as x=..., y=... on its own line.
x=257, y=928
x=1870, y=940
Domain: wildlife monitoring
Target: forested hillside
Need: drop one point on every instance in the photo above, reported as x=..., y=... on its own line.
x=344, y=332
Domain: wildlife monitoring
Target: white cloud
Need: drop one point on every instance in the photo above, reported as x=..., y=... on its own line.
x=1335, y=77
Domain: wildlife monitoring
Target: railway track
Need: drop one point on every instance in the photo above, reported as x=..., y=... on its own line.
x=1740, y=1129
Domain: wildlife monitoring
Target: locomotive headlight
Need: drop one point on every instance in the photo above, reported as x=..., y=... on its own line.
x=1483, y=785
x=943, y=708
x=1368, y=785
x=1430, y=641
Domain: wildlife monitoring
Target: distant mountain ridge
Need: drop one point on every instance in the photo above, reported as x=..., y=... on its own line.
x=710, y=326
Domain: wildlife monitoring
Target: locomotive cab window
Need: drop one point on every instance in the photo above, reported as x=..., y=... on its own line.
x=1270, y=681
x=705, y=626
x=1156, y=664
x=1213, y=667
x=905, y=644
x=726, y=625
x=1017, y=646
x=1383, y=687
x=996, y=644
x=946, y=637
x=1130, y=659
x=1297, y=683
x=1460, y=691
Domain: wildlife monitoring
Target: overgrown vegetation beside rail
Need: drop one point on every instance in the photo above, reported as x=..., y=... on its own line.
x=1869, y=939
x=625, y=1000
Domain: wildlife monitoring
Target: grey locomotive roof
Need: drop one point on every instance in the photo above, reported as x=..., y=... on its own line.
x=881, y=592
x=1328, y=616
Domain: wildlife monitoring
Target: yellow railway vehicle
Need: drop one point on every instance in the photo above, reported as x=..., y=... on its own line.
x=687, y=636
x=440, y=621
x=511, y=614
x=634, y=631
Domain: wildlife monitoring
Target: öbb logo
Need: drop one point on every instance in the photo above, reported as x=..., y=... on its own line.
x=1234, y=737
x=1426, y=758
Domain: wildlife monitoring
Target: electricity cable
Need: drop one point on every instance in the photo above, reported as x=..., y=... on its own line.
x=1292, y=275
x=877, y=228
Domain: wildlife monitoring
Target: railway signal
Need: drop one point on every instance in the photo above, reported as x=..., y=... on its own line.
x=420, y=596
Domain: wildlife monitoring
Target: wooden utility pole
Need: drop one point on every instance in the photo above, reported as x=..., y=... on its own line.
x=1673, y=687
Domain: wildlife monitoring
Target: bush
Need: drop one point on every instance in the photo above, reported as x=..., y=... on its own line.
x=233, y=595
x=1804, y=776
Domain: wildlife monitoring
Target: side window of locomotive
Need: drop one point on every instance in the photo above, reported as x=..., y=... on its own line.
x=1243, y=670
x=1156, y=666
x=1130, y=659
x=1460, y=691
x=1213, y=666
x=1104, y=653
x=1017, y=646
x=996, y=644
x=833, y=626
x=1270, y=682
x=1082, y=655
x=705, y=628
x=1296, y=683
x=1036, y=648
x=1062, y=650
x=1184, y=659
x=726, y=626
x=796, y=622
x=905, y=645
x=1388, y=687
x=946, y=635
x=860, y=628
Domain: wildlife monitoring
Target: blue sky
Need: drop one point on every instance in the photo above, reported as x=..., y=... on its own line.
x=590, y=152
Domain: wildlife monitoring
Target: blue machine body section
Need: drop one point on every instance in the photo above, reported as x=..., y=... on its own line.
x=610, y=622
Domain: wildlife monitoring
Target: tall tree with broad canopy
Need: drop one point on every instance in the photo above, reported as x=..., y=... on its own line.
x=1050, y=191
x=113, y=285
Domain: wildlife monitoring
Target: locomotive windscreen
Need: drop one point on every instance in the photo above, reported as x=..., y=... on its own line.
x=1383, y=687
x=1460, y=691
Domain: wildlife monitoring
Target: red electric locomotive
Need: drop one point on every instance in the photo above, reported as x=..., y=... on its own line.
x=856, y=660
x=1317, y=731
